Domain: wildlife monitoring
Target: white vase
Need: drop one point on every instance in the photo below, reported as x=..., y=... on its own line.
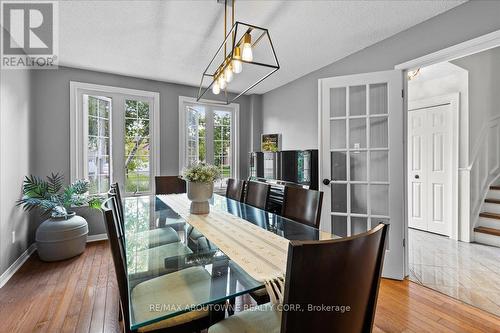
x=199, y=194
x=60, y=238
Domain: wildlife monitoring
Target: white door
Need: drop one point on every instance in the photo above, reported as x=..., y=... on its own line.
x=430, y=159
x=362, y=163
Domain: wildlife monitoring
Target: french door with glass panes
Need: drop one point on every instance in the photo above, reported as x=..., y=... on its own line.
x=361, y=149
x=209, y=135
x=115, y=140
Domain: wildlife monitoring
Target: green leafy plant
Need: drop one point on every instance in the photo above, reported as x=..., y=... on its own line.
x=54, y=199
x=202, y=173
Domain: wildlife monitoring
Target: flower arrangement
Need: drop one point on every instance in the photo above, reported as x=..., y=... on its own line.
x=53, y=198
x=202, y=173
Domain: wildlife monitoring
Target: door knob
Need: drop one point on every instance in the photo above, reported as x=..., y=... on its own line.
x=417, y=177
x=327, y=181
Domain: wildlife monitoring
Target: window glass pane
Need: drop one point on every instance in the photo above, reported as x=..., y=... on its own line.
x=358, y=166
x=378, y=132
x=358, y=199
x=339, y=225
x=98, y=147
x=379, y=166
x=92, y=105
x=378, y=98
x=222, y=145
x=337, y=134
x=131, y=109
x=195, y=135
x=358, y=225
x=339, y=198
x=103, y=108
x=337, y=102
x=358, y=133
x=137, y=147
x=379, y=199
x=339, y=168
x=357, y=100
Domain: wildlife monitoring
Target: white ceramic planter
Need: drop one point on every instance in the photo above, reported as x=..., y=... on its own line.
x=59, y=239
x=199, y=194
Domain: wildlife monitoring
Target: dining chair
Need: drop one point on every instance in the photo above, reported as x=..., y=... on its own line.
x=136, y=302
x=235, y=189
x=302, y=205
x=257, y=194
x=169, y=185
x=154, y=237
x=342, y=274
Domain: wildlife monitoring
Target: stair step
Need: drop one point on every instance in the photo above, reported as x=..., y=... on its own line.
x=489, y=231
x=495, y=187
x=491, y=200
x=490, y=215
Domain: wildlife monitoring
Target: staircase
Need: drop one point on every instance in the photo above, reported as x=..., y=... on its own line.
x=487, y=230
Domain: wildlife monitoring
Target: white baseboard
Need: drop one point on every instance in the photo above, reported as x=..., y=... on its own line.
x=5, y=277
x=96, y=238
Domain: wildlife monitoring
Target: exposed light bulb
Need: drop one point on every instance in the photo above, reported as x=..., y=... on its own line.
x=228, y=73
x=236, y=64
x=215, y=88
x=222, y=81
x=247, y=53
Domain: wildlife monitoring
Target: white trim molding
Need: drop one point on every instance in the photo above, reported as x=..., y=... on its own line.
x=9, y=272
x=97, y=238
x=460, y=50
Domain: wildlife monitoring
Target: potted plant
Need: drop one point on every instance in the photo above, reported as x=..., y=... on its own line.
x=200, y=186
x=63, y=234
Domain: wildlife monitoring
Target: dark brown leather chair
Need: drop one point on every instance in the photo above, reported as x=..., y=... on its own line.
x=302, y=205
x=337, y=273
x=197, y=322
x=235, y=189
x=257, y=194
x=169, y=185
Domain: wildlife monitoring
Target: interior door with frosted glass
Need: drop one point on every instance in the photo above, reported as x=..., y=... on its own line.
x=361, y=124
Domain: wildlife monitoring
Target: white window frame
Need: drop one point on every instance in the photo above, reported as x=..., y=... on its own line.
x=235, y=130
x=79, y=123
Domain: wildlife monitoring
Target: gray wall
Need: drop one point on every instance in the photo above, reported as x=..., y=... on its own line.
x=484, y=91
x=51, y=97
x=15, y=162
x=292, y=109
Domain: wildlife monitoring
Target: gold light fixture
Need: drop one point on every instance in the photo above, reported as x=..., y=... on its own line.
x=250, y=48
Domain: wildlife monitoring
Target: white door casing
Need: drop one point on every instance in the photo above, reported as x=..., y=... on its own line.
x=433, y=165
x=361, y=158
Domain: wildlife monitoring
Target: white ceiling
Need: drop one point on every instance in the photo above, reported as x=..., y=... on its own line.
x=174, y=40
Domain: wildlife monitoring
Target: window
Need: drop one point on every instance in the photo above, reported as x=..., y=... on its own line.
x=209, y=134
x=114, y=137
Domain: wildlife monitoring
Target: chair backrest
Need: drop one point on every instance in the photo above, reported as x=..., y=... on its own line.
x=117, y=210
x=169, y=185
x=118, y=254
x=235, y=189
x=302, y=205
x=343, y=273
x=257, y=194
x=115, y=188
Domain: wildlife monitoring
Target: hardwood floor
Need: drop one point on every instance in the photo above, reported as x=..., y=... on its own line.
x=80, y=295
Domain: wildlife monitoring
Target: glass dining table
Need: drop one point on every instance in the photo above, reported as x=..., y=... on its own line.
x=209, y=277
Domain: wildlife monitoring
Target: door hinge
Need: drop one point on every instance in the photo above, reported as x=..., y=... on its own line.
x=402, y=93
x=404, y=242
